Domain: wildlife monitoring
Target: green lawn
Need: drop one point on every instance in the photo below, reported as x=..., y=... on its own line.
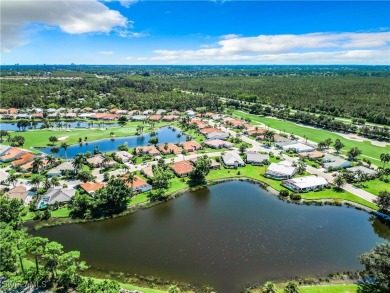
x=350, y=288
x=374, y=186
x=317, y=135
x=40, y=137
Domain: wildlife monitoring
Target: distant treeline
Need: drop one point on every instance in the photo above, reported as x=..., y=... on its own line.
x=361, y=92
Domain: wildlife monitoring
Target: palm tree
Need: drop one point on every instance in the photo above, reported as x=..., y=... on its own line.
x=36, y=180
x=65, y=147
x=269, y=287
x=385, y=159
x=78, y=162
x=130, y=178
x=12, y=179
x=105, y=161
x=339, y=181
x=36, y=164
x=51, y=160
x=269, y=135
x=55, y=181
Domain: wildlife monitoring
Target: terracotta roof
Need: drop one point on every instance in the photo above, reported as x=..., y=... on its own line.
x=312, y=155
x=199, y=124
x=138, y=182
x=148, y=171
x=209, y=130
x=92, y=186
x=12, y=110
x=23, y=159
x=171, y=149
x=190, y=145
x=155, y=117
x=29, y=165
x=255, y=132
x=11, y=154
x=151, y=150
x=169, y=117
x=182, y=167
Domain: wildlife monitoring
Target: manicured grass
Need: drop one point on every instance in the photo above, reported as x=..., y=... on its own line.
x=330, y=289
x=317, y=135
x=40, y=138
x=61, y=213
x=374, y=186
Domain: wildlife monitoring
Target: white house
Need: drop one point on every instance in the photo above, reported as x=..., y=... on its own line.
x=217, y=135
x=60, y=169
x=256, y=158
x=125, y=156
x=281, y=170
x=306, y=183
x=190, y=113
x=298, y=147
x=233, y=159
x=334, y=163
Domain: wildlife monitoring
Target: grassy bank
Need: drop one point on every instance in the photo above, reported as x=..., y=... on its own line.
x=317, y=135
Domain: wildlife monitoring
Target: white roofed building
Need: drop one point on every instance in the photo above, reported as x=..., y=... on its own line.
x=281, y=170
x=307, y=183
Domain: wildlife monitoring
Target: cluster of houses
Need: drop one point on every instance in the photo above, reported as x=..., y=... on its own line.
x=18, y=157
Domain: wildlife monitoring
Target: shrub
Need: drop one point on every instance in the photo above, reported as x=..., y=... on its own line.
x=295, y=196
x=284, y=193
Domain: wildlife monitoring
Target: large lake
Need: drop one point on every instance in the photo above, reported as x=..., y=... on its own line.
x=227, y=235
x=164, y=134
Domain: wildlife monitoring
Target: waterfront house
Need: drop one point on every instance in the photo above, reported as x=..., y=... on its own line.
x=54, y=195
x=61, y=169
x=155, y=117
x=138, y=185
x=19, y=192
x=149, y=150
x=304, y=184
x=92, y=187
x=332, y=163
x=95, y=161
x=147, y=171
x=182, y=168
x=23, y=159
x=11, y=154
x=207, y=130
x=256, y=158
x=124, y=156
x=4, y=149
x=190, y=146
x=232, y=159
x=281, y=170
x=169, y=148
x=139, y=117
x=198, y=123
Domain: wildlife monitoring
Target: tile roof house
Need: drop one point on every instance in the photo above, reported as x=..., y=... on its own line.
x=199, y=124
x=11, y=154
x=312, y=155
x=149, y=150
x=298, y=147
x=161, y=111
x=18, y=192
x=214, y=164
x=217, y=135
x=92, y=187
x=169, y=148
x=236, y=123
x=155, y=117
x=232, y=159
x=218, y=144
x=28, y=166
x=124, y=156
x=281, y=170
x=209, y=130
x=169, y=118
x=139, y=185
x=55, y=194
x=190, y=146
x=306, y=183
x=147, y=171
x=95, y=161
x=256, y=158
x=4, y=149
x=182, y=168
x=139, y=117
x=37, y=115
x=23, y=159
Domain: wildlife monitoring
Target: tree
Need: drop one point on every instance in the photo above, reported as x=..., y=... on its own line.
x=269, y=135
x=36, y=247
x=269, y=287
x=202, y=168
x=53, y=139
x=85, y=176
x=338, y=145
x=78, y=162
x=12, y=179
x=153, y=140
x=70, y=264
x=301, y=166
x=65, y=147
x=55, y=181
x=36, y=180
x=173, y=289
x=377, y=266
x=130, y=178
x=339, y=181
x=242, y=149
x=122, y=121
x=385, y=158
x=353, y=153
x=36, y=164
x=52, y=255
x=383, y=202
x=291, y=287
x=10, y=211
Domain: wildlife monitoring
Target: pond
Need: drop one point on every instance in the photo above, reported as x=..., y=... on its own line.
x=73, y=124
x=227, y=235
x=164, y=134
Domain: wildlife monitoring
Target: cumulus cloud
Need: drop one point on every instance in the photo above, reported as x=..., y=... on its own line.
x=71, y=16
x=313, y=48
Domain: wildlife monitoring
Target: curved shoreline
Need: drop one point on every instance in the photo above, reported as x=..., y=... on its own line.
x=177, y=193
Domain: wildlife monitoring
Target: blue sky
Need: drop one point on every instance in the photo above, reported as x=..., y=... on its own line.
x=194, y=32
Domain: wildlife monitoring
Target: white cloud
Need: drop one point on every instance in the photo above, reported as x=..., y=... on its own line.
x=125, y=3
x=314, y=48
x=71, y=16
x=106, y=52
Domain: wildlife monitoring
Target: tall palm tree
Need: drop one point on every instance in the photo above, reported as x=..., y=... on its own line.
x=385, y=159
x=79, y=161
x=130, y=178
x=36, y=180
x=36, y=164
x=51, y=159
x=65, y=147
x=12, y=179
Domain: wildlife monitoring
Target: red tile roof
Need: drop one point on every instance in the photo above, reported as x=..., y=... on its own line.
x=23, y=159
x=190, y=145
x=182, y=167
x=12, y=153
x=92, y=186
x=171, y=149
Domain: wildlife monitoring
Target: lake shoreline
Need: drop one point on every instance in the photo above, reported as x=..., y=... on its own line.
x=52, y=222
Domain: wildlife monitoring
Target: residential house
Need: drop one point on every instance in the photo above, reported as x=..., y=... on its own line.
x=232, y=159
x=22, y=116
x=23, y=159
x=312, y=155
x=4, y=149
x=218, y=144
x=298, y=147
x=256, y=132
x=28, y=166
x=332, y=163
x=367, y=171
x=169, y=148
x=37, y=115
x=71, y=115
x=190, y=146
x=148, y=112
x=147, y=171
x=155, y=117
x=304, y=184
x=256, y=158
x=149, y=150
x=190, y=113
x=182, y=168
x=54, y=195
x=281, y=170
x=18, y=192
x=139, y=117
x=161, y=112
x=218, y=135
x=61, y=169
x=12, y=154
x=92, y=187
x=236, y=123
x=124, y=156
x=199, y=123
x=207, y=130
x=283, y=141
x=169, y=118
x=138, y=185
